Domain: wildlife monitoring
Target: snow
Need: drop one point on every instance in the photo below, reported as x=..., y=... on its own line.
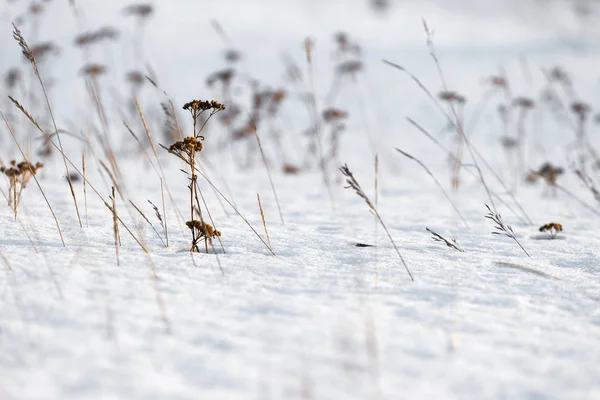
x=322, y=319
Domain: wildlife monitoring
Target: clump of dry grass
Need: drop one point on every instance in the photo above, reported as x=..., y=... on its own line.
x=19, y=174
x=353, y=184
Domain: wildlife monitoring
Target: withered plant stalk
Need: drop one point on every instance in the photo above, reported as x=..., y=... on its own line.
x=353, y=184
x=186, y=151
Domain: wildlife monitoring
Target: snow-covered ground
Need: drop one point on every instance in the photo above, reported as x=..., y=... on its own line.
x=323, y=318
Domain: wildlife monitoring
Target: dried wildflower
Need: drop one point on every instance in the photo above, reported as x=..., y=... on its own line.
x=224, y=76
x=509, y=142
x=201, y=230
x=140, y=10
x=548, y=172
x=557, y=74
x=290, y=169
x=230, y=114
x=498, y=81
x=104, y=33
x=552, y=229
x=232, y=55
x=333, y=114
x=187, y=147
x=35, y=8
x=580, y=109
x=350, y=67
x=451, y=97
x=186, y=150
x=197, y=105
x=18, y=175
x=136, y=78
x=380, y=5
x=107, y=32
x=523, y=102
x=12, y=77
x=93, y=70
x=41, y=50
x=345, y=45
x=247, y=129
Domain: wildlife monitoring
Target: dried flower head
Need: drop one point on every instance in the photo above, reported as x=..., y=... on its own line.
x=232, y=55
x=13, y=76
x=558, y=74
x=35, y=8
x=41, y=50
x=224, y=76
x=18, y=175
x=333, y=114
x=523, y=102
x=230, y=114
x=451, y=97
x=198, y=105
x=350, y=67
x=93, y=70
x=581, y=109
x=552, y=229
x=498, y=81
x=509, y=142
x=187, y=147
x=380, y=5
x=140, y=10
x=548, y=172
x=290, y=169
x=201, y=231
x=104, y=33
x=136, y=78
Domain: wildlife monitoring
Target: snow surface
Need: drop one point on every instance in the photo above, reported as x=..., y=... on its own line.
x=323, y=319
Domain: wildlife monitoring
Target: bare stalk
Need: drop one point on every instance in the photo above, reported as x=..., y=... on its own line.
x=353, y=184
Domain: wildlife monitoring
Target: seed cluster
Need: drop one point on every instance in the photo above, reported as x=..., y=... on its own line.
x=551, y=228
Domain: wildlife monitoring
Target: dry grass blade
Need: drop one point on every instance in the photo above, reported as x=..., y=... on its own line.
x=115, y=224
x=148, y=221
x=30, y=56
x=436, y=182
x=502, y=228
x=84, y=189
x=450, y=243
x=164, y=225
x=353, y=184
x=262, y=215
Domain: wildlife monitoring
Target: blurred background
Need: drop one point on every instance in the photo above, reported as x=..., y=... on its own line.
x=188, y=47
